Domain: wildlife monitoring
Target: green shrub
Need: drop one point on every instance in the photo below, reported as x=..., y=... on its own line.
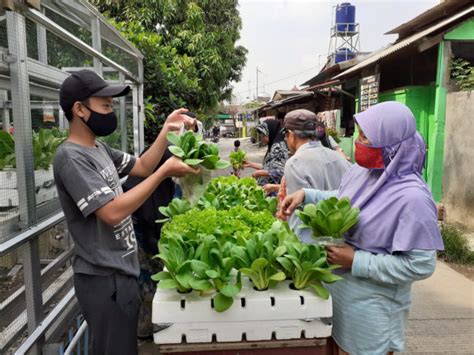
x=456, y=249
x=463, y=73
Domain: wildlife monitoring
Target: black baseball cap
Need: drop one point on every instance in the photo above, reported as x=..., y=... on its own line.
x=85, y=83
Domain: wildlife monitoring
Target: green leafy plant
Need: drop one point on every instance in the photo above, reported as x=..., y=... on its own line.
x=176, y=207
x=333, y=134
x=193, y=150
x=456, y=246
x=331, y=217
x=237, y=159
x=307, y=266
x=225, y=225
x=214, y=266
x=256, y=257
x=176, y=256
x=227, y=192
x=209, y=251
x=207, y=268
x=45, y=144
x=7, y=150
x=112, y=140
x=463, y=73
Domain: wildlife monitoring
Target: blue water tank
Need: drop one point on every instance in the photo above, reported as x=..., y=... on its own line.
x=343, y=54
x=345, y=17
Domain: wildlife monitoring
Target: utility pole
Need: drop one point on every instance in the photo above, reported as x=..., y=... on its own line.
x=257, y=86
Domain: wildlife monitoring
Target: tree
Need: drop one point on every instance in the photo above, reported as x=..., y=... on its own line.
x=190, y=50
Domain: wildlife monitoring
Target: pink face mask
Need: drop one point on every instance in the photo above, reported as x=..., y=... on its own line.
x=369, y=157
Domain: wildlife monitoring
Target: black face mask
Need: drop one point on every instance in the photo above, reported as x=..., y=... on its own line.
x=101, y=124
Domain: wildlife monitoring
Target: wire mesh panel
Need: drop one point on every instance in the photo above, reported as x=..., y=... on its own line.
x=3, y=32
x=31, y=39
x=46, y=139
x=130, y=128
x=9, y=205
x=119, y=56
x=54, y=251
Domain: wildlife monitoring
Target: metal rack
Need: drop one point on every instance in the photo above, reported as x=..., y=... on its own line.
x=26, y=71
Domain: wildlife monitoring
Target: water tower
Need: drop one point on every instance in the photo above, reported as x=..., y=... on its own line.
x=344, y=40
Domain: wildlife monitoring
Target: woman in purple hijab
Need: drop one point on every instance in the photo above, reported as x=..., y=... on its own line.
x=396, y=239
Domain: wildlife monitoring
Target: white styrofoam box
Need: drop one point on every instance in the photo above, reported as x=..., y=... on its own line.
x=255, y=315
x=8, y=178
x=44, y=185
x=9, y=197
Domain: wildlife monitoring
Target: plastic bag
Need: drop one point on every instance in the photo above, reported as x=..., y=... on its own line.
x=194, y=186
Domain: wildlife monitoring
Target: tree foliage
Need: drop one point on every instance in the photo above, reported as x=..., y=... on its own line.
x=190, y=49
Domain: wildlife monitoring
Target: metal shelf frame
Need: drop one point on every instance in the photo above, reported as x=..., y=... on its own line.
x=20, y=77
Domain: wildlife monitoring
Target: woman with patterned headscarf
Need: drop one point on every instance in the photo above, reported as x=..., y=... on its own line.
x=272, y=169
x=395, y=240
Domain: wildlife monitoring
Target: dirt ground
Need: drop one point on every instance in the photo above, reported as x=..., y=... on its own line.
x=466, y=270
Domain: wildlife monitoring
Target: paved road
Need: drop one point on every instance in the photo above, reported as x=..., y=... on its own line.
x=441, y=319
x=254, y=153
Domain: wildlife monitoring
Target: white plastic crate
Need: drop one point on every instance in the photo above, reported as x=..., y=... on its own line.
x=279, y=313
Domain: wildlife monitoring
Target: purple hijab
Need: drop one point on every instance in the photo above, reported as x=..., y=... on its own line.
x=397, y=211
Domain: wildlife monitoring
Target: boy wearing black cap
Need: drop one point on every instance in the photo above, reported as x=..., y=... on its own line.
x=87, y=175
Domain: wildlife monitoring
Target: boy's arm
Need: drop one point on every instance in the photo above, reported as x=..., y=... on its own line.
x=125, y=204
x=146, y=164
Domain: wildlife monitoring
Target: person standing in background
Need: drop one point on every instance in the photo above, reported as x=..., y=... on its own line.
x=271, y=171
x=328, y=141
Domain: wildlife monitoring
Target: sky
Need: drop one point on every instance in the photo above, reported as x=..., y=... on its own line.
x=288, y=40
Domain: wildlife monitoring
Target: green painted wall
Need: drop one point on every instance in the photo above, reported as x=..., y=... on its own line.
x=346, y=144
x=436, y=147
x=465, y=31
x=420, y=99
x=428, y=104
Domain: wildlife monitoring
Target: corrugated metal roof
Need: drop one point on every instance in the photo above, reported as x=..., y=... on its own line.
x=283, y=94
x=403, y=43
x=274, y=104
x=436, y=13
x=330, y=71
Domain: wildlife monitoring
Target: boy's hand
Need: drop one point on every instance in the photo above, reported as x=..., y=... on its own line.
x=176, y=119
x=175, y=167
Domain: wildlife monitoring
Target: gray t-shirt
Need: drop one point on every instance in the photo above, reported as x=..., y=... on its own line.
x=316, y=167
x=87, y=179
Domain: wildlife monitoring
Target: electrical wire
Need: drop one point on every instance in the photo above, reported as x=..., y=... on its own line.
x=276, y=81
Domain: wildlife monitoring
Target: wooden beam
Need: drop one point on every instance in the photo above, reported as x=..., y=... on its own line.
x=428, y=42
x=242, y=345
x=8, y=4
x=36, y=4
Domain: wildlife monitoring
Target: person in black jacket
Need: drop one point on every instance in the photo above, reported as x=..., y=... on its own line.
x=148, y=232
